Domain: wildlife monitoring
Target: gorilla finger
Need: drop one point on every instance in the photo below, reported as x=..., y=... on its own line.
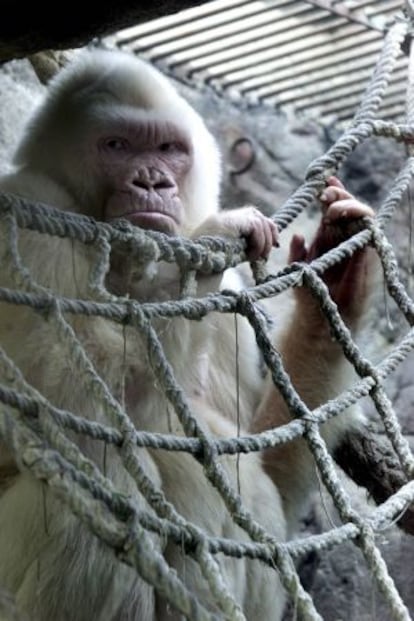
x=349, y=209
x=332, y=194
x=297, y=251
x=333, y=180
x=256, y=242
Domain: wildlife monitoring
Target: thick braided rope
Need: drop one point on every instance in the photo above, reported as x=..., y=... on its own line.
x=35, y=430
x=114, y=412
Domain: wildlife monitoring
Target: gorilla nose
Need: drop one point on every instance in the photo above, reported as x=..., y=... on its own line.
x=148, y=180
x=148, y=185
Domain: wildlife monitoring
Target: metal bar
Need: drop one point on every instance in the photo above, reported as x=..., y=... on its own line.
x=334, y=90
x=234, y=53
x=322, y=63
x=344, y=11
x=204, y=30
x=168, y=22
x=307, y=54
x=393, y=112
x=345, y=86
x=271, y=48
x=328, y=75
x=236, y=32
x=351, y=99
x=275, y=70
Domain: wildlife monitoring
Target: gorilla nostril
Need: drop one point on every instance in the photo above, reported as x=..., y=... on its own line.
x=148, y=185
x=144, y=185
x=164, y=184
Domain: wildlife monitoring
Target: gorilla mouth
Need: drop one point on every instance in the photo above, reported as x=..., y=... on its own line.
x=149, y=211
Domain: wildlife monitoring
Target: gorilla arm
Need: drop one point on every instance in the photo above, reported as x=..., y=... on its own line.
x=315, y=362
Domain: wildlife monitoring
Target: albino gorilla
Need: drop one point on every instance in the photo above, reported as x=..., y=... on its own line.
x=114, y=140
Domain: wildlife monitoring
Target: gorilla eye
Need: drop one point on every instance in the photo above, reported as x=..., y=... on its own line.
x=173, y=147
x=166, y=146
x=116, y=144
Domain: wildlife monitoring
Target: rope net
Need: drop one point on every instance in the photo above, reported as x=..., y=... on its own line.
x=39, y=434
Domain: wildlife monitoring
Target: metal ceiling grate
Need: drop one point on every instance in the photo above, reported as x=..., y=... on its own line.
x=311, y=57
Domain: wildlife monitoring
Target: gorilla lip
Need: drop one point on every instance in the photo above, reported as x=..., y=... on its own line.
x=154, y=220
